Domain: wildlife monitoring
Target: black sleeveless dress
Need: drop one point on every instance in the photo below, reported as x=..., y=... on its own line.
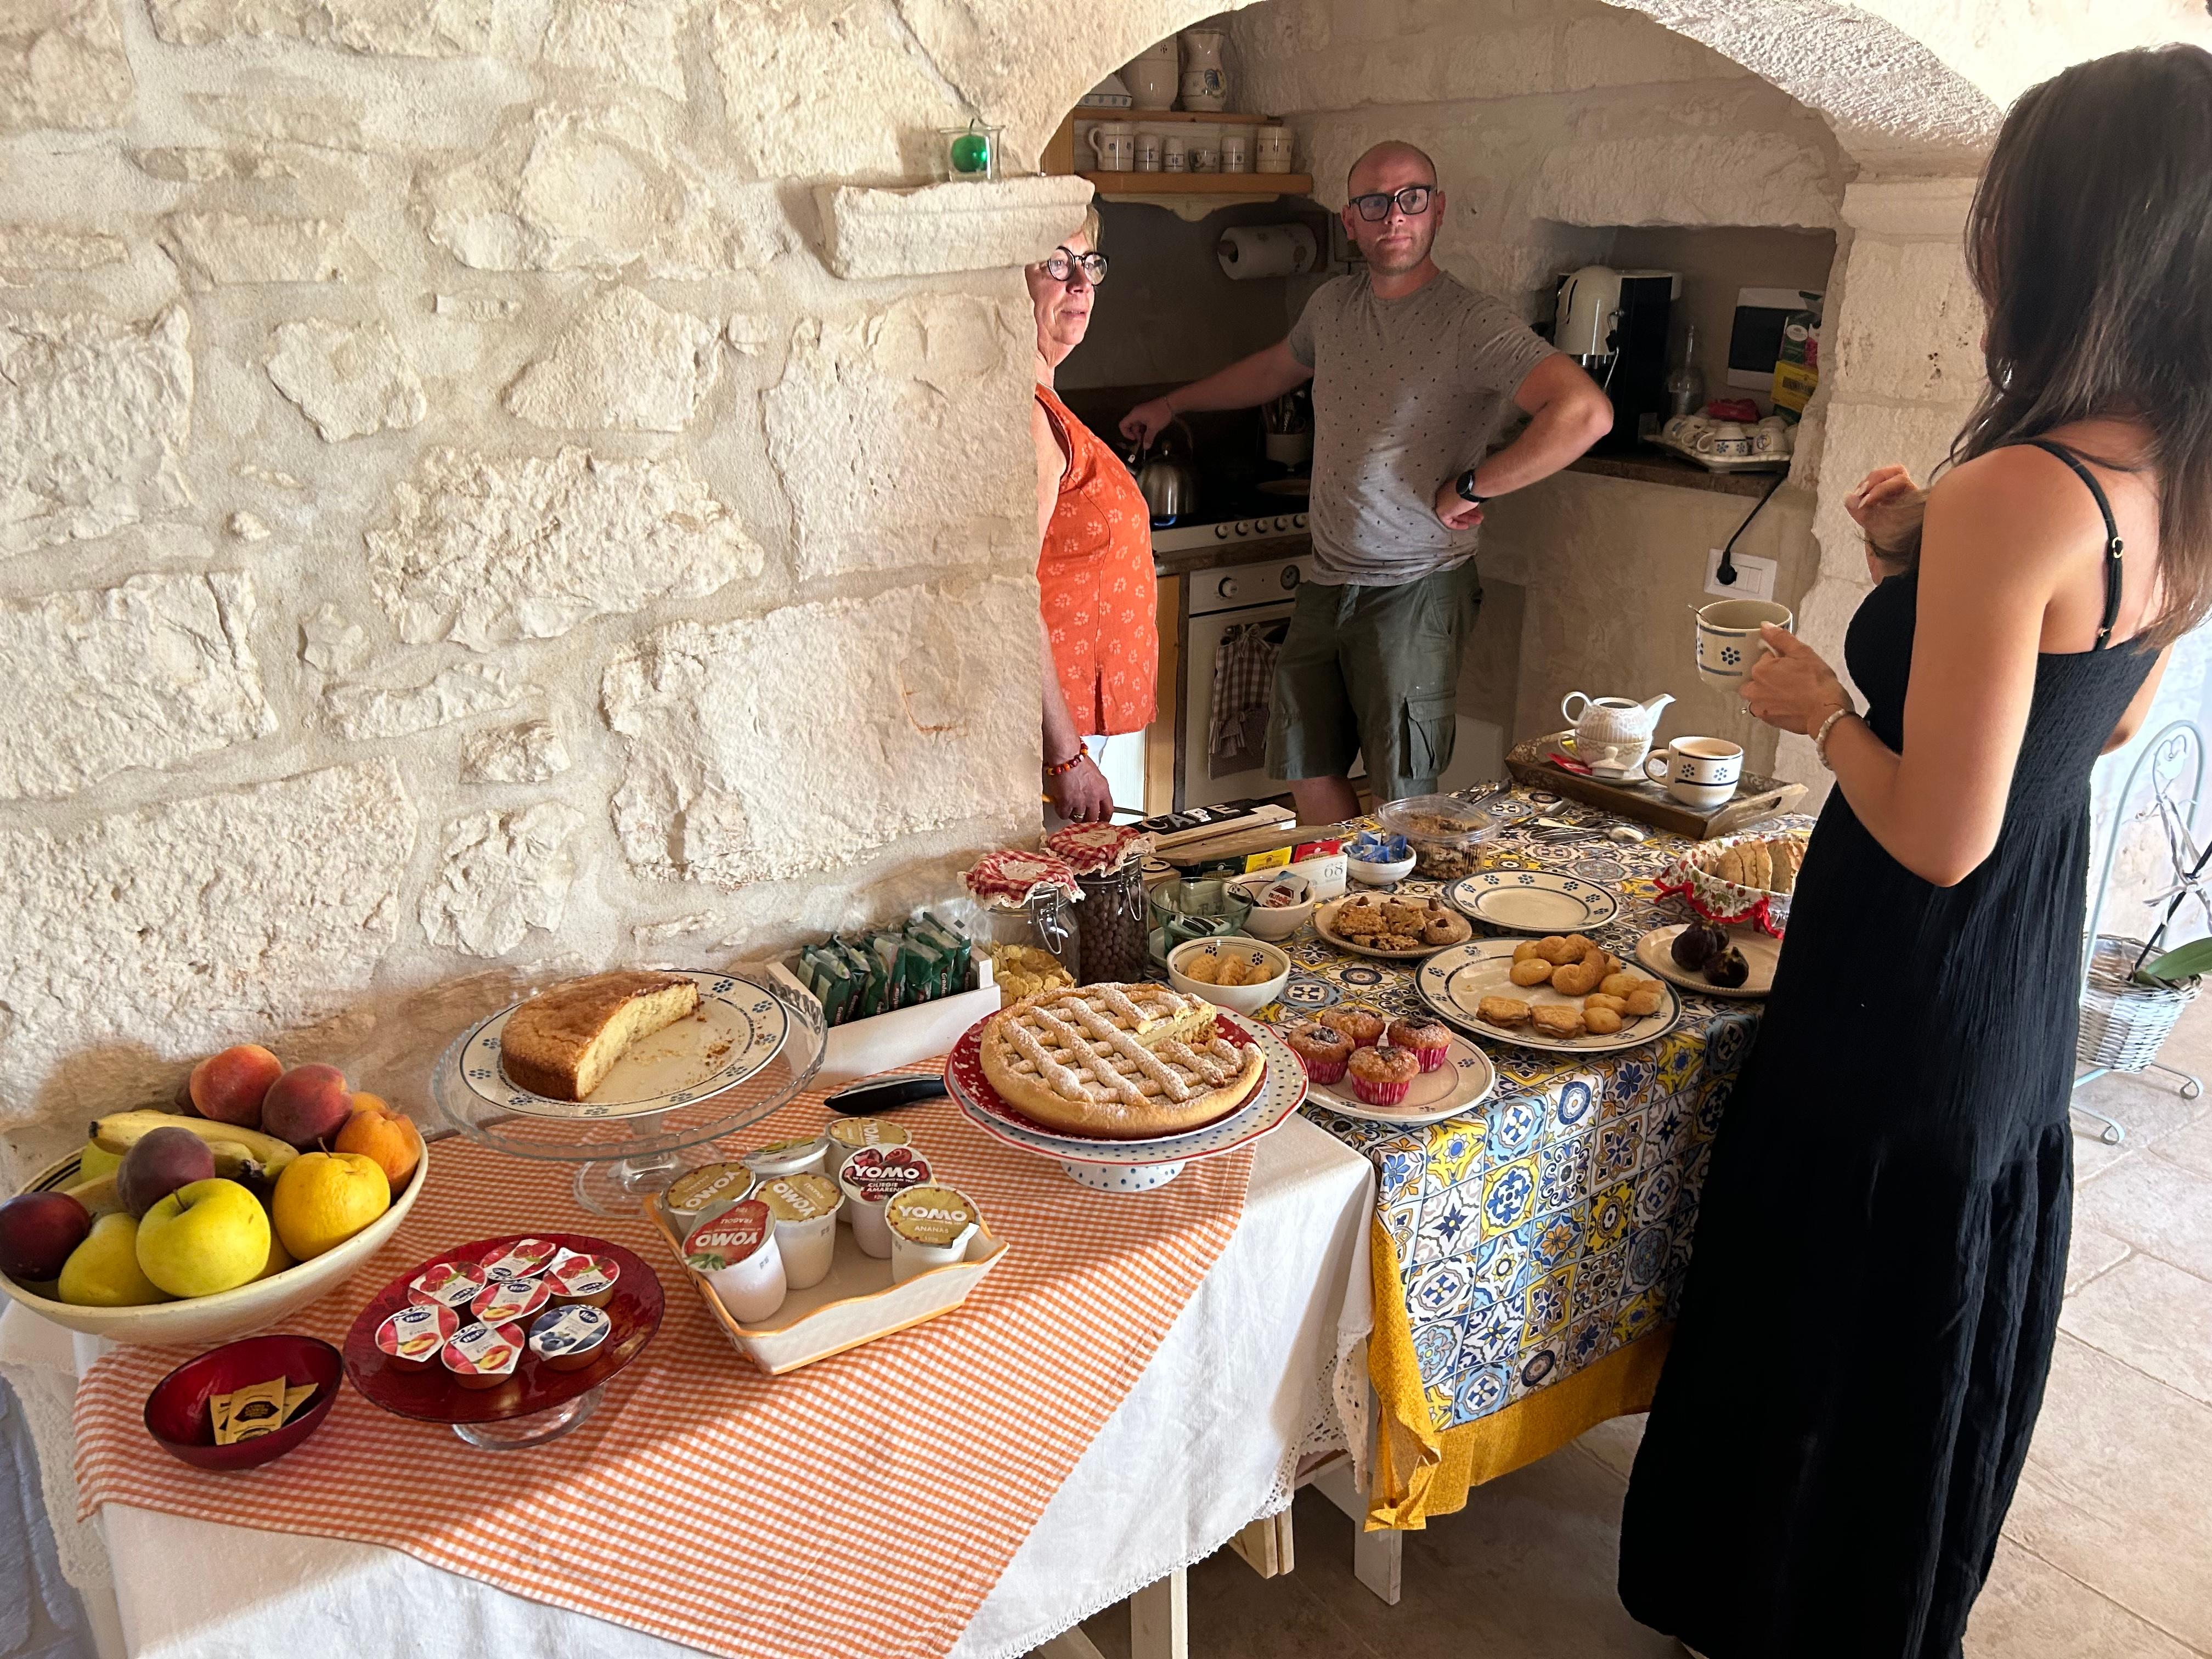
x=1873, y=1293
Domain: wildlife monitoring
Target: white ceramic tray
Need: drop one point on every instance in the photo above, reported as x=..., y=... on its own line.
x=856, y=1303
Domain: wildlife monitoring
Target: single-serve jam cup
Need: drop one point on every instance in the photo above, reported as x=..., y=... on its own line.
x=930, y=1227
x=483, y=1356
x=410, y=1339
x=848, y=1134
x=698, y=1194
x=869, y=1177
x=787, y=1157
x=525, y=1258
x=804, y=1208
x=736, y=1252
x=449, y=1284
x=569, y=1338
x=509, y=1301
x=578, y=1278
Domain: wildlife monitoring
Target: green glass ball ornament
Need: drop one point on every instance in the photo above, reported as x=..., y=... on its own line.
x=971, y=153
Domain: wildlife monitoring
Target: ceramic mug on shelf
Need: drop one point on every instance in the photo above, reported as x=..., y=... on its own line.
x=1701, y=773
x=1729, y=641
x=1175, y=152
x=1205, y=144
x=1114, y=143
x=1726, y=441
x=1148, y=149
x=1236, y=149
x=1772, y=436
x=1271, y=149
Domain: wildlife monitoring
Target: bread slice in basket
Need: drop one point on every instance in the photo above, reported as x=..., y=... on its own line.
x=1117, y=1062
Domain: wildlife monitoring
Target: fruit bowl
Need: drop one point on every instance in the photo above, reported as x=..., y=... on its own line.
x=177, y=1409
x=228, y=1313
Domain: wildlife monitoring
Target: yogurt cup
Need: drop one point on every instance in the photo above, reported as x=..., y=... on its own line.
x=706, y=1191
x=869, y=1177
x=804, y=1209
x=483, y=1356
x=410, y=1339
x=525, y=1258
x=508, y=1301
x=448, y=1284
x=569, y=1338
x=848, y=1134
x=929, y=1227
x=736, y=1252
x=787, y=1157
x=578, y=1278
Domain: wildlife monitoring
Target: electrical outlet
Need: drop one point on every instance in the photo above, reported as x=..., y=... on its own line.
x=1755, y=578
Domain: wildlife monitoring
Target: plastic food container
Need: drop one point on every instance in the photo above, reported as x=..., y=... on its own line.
x=787, y=1157
x=412, y=1338
x=706, y=1191
x=483, y=1356
x=870, y=1177
x=577, y=1279
x=525, y=1258
x=1443, y=832
x=506, y=1301
x=569, y=1338
x=848, y=1134
x=804, y=1209
x=930, y=1227
x=736, y=1254
x=448, y=1284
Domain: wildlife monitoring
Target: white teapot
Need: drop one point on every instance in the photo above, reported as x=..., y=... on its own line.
x=1612, y=734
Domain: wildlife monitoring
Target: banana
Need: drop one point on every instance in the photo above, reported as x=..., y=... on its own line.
x=119, y=1131
x=99, y=1195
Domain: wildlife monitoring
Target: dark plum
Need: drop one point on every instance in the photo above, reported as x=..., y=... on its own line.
x=1728, y=969
x=1698, y=944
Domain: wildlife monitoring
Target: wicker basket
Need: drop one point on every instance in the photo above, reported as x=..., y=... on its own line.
x=2123, y=1023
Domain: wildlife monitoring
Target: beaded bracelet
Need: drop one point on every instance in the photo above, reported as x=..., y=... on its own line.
x=1061, y=769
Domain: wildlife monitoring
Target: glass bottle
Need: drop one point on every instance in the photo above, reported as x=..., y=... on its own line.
x=1685, y=381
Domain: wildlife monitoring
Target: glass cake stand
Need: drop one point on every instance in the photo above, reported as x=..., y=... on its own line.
x=622, y=1158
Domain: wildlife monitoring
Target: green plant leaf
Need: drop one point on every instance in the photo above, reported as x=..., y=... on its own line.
x=2185, y=961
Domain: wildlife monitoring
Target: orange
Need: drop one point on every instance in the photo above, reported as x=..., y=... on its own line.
x=388, y=1139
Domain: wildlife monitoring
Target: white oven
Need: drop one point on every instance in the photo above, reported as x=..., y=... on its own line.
x=1219, y=604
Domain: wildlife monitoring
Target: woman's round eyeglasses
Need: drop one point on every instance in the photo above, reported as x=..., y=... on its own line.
x=1060, y=265
x=1412, y=201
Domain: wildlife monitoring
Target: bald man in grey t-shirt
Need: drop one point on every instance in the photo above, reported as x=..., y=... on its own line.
x=1414, y=376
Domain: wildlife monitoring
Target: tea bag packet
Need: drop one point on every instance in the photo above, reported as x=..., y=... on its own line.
x=826, y=975
x=245, y=1412
x=295, y=1400
x=953, y=940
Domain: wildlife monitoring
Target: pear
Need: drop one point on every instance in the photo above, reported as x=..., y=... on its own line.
x=103, y=1272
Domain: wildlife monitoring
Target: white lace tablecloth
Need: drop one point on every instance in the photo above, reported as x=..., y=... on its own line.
x=1244, y=1386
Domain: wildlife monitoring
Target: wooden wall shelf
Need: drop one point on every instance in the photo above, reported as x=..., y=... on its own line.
x=1259, y=186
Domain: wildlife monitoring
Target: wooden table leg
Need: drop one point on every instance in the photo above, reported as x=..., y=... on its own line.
x=1265, y=1546
x=1377, y=1557
x=1159, y=1619
x=1069, y=1644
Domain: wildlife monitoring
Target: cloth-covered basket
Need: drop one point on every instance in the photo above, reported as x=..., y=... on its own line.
x=1727, y=902
x=2123, y=1023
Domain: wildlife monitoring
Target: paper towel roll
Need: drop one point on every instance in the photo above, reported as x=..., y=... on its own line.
x=1249, y=251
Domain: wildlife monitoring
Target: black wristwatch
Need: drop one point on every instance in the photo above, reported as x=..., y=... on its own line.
x=1465, y=485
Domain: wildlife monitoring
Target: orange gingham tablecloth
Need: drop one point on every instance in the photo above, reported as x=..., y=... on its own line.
x=863, y=1506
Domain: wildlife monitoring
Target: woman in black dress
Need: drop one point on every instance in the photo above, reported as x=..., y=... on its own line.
x=1873, y=1292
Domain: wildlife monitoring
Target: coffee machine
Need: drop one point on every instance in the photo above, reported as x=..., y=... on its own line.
x=1614, y=322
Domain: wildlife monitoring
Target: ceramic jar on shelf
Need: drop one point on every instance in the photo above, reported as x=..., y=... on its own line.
x=1154, y=76
x=1204, y=82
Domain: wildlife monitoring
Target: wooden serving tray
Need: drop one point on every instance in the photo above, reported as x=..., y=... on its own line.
x=1757, y=798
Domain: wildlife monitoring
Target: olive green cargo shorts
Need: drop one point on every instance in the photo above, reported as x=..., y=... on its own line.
x=1373, y=672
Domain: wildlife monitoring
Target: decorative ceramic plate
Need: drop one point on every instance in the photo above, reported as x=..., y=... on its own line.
x=1281, y=1087
x=1325, y=917
x=1454, y=981
x=737, y=1028
x=1762, y=950
x=1533, y=900
x=1453, y=1089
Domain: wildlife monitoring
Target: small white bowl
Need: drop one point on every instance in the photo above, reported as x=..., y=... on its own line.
x=1237, y=999
x=1279, y=922
x=1370, y=874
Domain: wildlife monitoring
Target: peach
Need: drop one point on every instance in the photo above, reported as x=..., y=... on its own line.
x=307, y=1106
x=388, y=1139
x=231, y=1086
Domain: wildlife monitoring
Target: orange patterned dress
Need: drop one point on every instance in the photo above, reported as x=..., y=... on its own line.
x=1094, y=574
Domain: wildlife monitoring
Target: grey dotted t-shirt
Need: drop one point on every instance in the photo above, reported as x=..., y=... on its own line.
x=1407, y=394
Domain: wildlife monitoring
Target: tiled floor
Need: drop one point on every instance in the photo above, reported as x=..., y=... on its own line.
x=2107, y=1553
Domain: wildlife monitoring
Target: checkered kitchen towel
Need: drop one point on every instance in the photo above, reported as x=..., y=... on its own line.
x=1243, y=684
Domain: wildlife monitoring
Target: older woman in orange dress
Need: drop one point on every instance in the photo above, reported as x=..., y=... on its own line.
x=1098, y=641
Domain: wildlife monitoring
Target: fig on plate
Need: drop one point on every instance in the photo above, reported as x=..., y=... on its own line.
x=1728, y=969
x=1698, y=945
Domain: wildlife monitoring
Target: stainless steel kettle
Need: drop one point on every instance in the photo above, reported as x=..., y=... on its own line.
x=1166, y=475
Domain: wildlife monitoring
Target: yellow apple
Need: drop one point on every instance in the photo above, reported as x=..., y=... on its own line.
x=210, y=1236
x=103, y=1272
x=279, y=1257
x=95, y=1161
x=323, y=1198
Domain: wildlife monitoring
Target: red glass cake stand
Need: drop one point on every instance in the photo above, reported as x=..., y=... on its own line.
x=535, y=1405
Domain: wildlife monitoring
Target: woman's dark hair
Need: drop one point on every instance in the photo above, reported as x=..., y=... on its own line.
x=2090, y=238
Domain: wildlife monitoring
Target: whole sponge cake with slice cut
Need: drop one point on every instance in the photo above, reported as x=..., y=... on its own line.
x=562, y=1044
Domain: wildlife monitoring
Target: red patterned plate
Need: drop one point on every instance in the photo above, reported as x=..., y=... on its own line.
x=432, y=1395
x=965, y=1067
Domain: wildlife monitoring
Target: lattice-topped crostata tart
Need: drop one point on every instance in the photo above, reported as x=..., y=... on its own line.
x=1121, y=1062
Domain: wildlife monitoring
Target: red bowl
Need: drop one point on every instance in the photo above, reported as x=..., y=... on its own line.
x=177, y=1412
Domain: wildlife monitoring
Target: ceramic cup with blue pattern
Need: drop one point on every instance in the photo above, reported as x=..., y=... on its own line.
x=1727, y=638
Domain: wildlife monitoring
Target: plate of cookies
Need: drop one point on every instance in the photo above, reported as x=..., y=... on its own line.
x=1563, y=995
x=1392, y=928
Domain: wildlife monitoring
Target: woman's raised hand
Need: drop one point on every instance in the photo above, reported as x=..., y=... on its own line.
x=1888, y=506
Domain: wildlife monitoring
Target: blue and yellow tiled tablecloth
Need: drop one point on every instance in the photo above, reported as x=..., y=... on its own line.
x=1527, y=1257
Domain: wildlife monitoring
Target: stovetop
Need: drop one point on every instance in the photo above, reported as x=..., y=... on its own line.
x=1231, y=511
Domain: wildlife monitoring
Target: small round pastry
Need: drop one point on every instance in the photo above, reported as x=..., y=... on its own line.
x=1599, y=1022
x=1524, y=950
x=1600, y=999
x=1321, y=1049
x=569, y=1339
x=1361, y=1027
x=1507, y=1011
x=1643, y=1000
x=1430, y=1043
x=1619, y=984
x=1530, y=970
x=1381, y=1077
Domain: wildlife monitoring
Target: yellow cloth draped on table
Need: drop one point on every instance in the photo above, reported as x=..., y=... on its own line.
x=1420, y=1470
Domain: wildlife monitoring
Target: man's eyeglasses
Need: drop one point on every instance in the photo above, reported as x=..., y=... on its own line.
x=1060, y=265
x=1412, y=201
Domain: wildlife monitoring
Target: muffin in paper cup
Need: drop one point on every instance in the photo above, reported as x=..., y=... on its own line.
x=1383, y=1076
